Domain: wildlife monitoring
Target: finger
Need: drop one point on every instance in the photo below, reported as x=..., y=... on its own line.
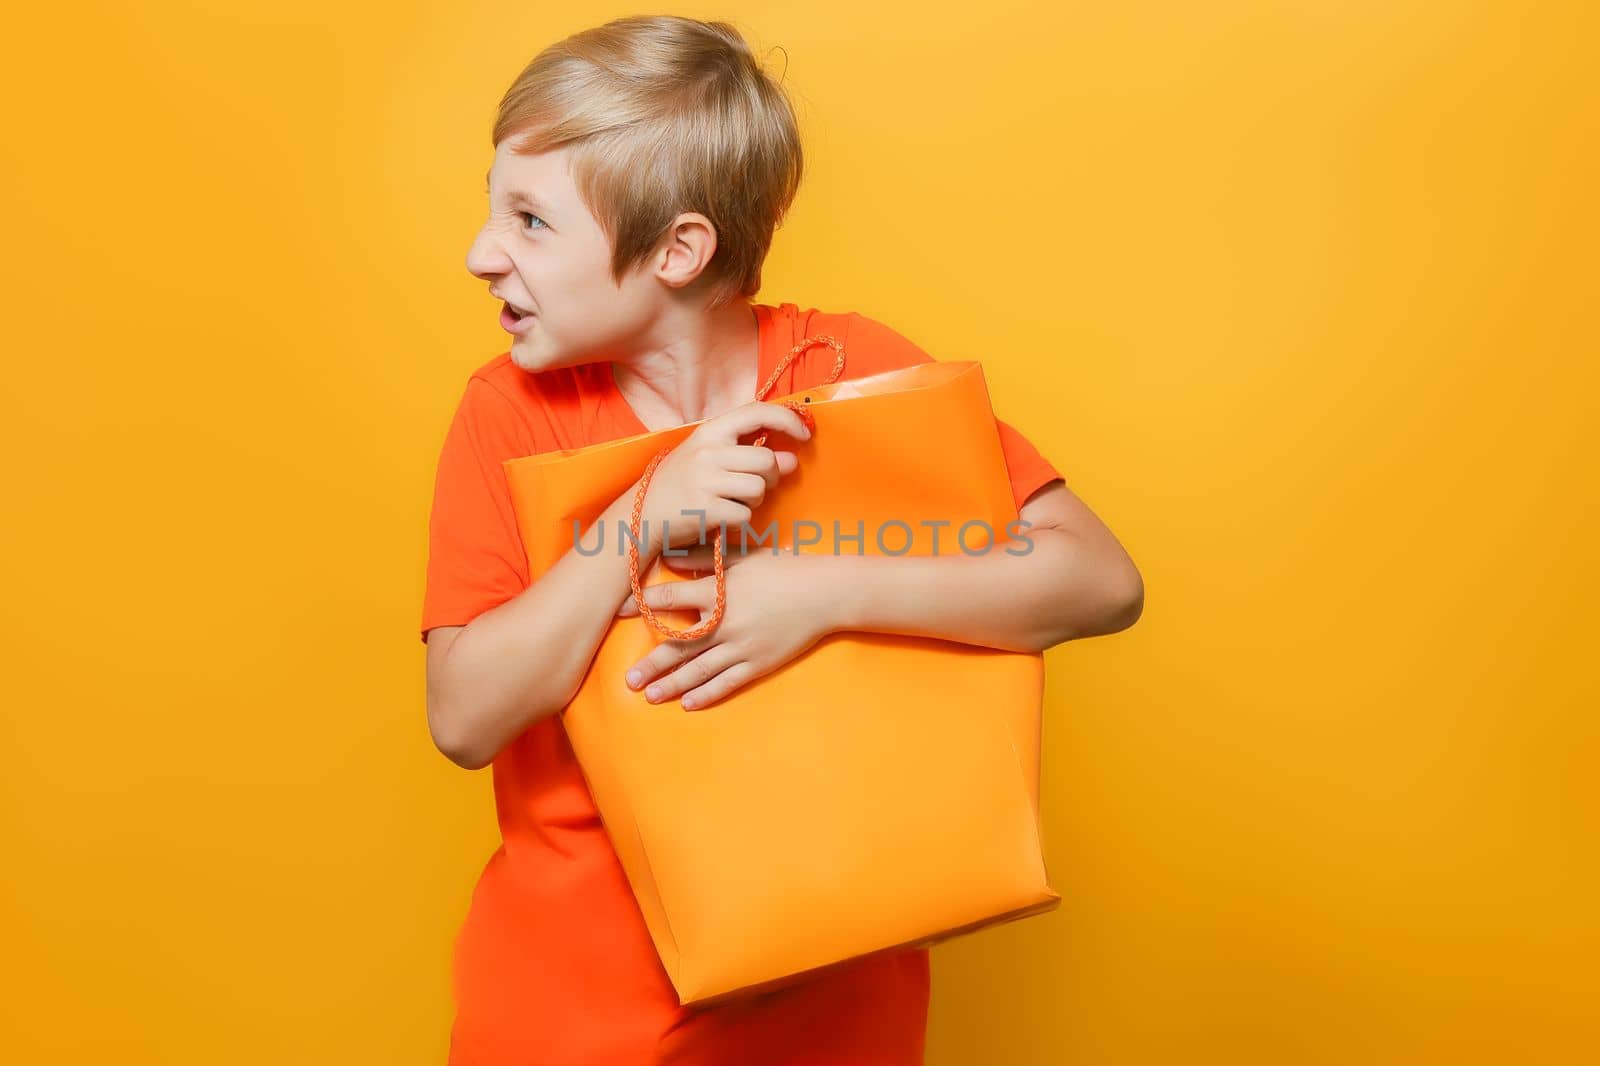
x=660, y=597
x=694, y=559
x=758, y=459
x=719, y=687
x=630, y=607
x=701, y=561
x=745, y=488
x=757, y=415
x=763, y=462
x=750, y=458
x=693, y=673
x=773, y=464
x=664, y=657
x=697, y=595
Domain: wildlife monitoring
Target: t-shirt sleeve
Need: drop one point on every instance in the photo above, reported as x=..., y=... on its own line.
x=475, y=555
x=876, y=348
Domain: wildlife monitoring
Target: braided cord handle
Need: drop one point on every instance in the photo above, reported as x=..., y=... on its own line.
x=710, y=623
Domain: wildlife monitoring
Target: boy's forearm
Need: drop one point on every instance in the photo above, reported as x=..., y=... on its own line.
x=1058, y=591
x=525, y=659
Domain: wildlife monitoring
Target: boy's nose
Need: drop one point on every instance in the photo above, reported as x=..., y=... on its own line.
x=485, y=259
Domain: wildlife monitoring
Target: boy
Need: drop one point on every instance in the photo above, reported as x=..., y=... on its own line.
x=640, y=170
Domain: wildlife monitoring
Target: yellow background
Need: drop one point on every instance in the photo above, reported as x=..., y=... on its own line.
x=1300, y=297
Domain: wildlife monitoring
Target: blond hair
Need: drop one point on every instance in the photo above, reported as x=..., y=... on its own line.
x=665, y=114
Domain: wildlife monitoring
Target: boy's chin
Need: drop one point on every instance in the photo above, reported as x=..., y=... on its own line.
x=529, y=356
x=535, y=354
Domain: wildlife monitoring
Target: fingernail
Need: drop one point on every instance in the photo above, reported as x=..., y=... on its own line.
x=688, y=703
x=653, y=693
x=633, y=679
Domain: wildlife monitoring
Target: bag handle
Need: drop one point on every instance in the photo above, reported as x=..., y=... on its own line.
x=711, y=623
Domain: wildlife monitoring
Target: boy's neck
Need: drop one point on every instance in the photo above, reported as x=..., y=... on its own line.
x=700, y=366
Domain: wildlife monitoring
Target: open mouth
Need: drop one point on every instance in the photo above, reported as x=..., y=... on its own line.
x=512, y=317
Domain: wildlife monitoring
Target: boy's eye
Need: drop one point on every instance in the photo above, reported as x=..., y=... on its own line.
x=526, y=215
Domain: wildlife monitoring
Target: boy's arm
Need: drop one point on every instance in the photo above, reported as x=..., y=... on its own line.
x=1076, y=581
x=503, y=651
x=524, y=659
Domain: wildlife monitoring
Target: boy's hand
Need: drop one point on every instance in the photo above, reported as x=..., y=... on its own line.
x=777, y=606
x=711, y=471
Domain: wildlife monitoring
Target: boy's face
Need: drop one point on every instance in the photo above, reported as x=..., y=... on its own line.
x=545, y=255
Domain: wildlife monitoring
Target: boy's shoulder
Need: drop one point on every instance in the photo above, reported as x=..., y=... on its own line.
x=530, y=412
x=870, y=345
x=544, y=397
x=509, y=378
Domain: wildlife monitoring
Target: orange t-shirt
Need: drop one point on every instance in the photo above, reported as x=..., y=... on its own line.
x=554, y=963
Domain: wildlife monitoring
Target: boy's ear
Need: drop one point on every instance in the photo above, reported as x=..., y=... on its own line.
x=687, y=249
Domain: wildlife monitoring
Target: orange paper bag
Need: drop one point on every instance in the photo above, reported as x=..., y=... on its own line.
x=880, y=791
